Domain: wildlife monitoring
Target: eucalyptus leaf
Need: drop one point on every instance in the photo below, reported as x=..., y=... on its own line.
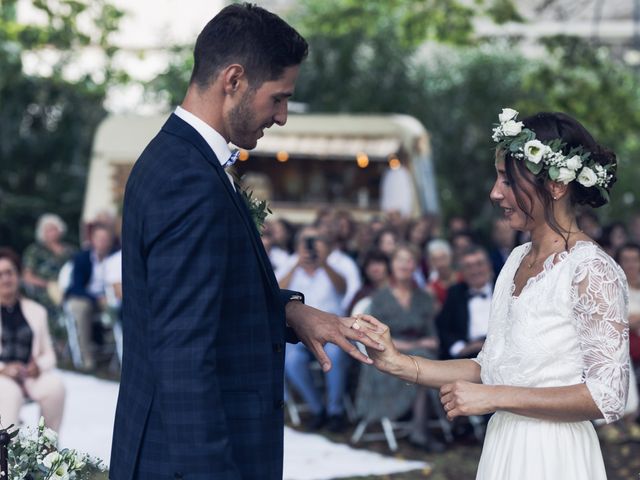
x=534, y=168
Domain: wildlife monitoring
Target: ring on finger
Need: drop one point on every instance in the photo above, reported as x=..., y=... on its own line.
x=355, y=325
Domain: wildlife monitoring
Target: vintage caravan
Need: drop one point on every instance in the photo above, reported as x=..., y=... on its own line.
x=367, y=164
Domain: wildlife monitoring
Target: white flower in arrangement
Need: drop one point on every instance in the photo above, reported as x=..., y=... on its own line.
x=51, y=459
x=78, y=462
x=512, y=128
x=507, y=114
x=50, y=436
x=587, y=177
x=574, y=163
x=566, y=175
x=61, y=473
x=534, y=150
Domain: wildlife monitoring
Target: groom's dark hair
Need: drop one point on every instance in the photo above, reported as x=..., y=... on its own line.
x=251, y=36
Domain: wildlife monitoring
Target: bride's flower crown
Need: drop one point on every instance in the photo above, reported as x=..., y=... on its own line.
x=512, y=136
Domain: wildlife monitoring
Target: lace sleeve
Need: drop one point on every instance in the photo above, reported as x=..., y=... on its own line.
x=600, y=302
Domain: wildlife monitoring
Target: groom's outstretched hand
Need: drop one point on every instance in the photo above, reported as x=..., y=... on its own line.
x=315, y=328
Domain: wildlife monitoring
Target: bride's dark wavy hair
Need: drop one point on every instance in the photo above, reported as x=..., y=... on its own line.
x=547, y=127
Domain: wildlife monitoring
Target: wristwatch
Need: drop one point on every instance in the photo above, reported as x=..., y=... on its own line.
x=295, y=297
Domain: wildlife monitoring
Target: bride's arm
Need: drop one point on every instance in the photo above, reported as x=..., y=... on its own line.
x=572, y=403
x=411, y=368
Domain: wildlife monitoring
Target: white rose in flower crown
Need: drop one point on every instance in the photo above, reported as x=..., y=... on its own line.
x=574, y=163
x=566, y=175
x=507, y=114
x=512, y=128
x=587, y=177
x=534, y=150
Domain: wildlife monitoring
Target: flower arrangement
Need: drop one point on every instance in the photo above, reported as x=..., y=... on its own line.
x=32, y=455
x=258, y=209
x=577, y=164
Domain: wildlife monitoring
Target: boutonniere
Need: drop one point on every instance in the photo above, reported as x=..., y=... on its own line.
x=258, y=209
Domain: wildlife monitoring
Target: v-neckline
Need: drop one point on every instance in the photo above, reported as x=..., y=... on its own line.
x=548, y=266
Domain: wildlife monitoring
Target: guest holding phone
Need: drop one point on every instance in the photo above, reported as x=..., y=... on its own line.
x=311, y=272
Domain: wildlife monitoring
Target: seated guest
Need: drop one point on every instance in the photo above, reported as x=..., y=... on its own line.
x=375, y=271
x=27, y=358
x=464, y=318
x=442, y=275
x=311, y=272
x=86, y=295
x=503, y=240
x=42, y=261
x=408, y=311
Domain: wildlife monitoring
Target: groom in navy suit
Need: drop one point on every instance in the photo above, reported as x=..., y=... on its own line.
x=201, y=395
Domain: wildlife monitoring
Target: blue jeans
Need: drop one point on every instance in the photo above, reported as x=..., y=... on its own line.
x=297, y=370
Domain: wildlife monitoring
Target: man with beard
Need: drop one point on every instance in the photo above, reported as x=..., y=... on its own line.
x=204, y=321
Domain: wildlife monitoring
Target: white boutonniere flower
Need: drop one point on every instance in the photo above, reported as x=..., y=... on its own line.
x=587, y=177
x=512, y=128
x=574, y=163
x=535, y=150
x=507, y=114
x=566, y=175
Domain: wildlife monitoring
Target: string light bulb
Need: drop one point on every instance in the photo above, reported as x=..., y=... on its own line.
x=394, y=162
x=362, y=159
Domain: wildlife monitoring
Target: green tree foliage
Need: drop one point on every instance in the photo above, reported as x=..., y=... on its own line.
x=372, y=57
x=458, y=95
x=357, y=48
x=47, y=121
x=604, y=95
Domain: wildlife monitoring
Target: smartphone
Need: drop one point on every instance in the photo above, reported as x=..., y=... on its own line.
x=310, y=246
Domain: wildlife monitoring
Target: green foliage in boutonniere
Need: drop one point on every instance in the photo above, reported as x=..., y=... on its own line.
x=259, y=209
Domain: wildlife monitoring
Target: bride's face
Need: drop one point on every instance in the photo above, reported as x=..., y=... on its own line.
x=502, y=194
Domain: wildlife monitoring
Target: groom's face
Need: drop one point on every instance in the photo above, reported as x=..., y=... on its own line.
x=259, y=108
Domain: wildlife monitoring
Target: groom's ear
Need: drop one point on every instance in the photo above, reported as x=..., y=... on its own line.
x=233, y=79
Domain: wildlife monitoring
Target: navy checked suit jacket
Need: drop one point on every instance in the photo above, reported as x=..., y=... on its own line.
x=201, y=394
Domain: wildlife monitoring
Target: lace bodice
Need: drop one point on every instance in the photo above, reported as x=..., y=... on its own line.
x=567, y=326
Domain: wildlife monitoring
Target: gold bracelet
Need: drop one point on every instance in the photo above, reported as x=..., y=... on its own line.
x=415, y=362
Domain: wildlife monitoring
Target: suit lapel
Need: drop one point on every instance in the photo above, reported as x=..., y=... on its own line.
x=176, y=126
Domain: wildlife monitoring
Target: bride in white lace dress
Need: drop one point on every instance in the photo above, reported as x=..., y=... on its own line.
x=556, y=354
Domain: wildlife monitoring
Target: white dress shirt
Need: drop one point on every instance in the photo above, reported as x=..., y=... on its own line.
x=319, y=291
x=216, y=141
x=348, y=268
x=479, y=311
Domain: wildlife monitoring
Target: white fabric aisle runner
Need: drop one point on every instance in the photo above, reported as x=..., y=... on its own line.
x=312, y=457
x=88, y=423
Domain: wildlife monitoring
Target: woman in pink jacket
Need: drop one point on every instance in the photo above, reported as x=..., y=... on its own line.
x=27, y=359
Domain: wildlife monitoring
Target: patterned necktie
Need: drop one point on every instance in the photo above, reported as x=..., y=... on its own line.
x=232, y=159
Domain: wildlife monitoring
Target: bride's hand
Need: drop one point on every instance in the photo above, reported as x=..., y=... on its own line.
x=462, y=398
x=379, y=332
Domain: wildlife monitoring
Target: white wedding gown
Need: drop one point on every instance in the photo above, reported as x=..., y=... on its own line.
x=567, y=326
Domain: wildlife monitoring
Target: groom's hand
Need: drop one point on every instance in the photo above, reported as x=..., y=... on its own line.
x=315, y=328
